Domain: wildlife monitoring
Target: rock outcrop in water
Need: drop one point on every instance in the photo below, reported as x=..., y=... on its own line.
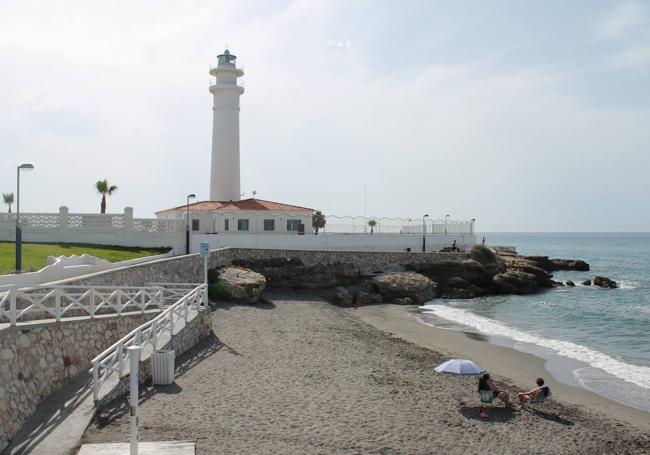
x=604, y=282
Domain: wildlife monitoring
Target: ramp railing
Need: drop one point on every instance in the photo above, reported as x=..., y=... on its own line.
x=59, y=301
x=150, y=335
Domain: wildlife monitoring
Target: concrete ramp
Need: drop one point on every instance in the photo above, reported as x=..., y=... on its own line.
x=144, y=448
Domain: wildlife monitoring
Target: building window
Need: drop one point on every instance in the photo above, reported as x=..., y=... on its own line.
x=242, y=225
x=195, y=225
x=293, y=225
x=226, y=224
x=269, y=225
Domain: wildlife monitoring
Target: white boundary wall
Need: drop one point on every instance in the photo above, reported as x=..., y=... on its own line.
x=107, y=229
x=334, y=242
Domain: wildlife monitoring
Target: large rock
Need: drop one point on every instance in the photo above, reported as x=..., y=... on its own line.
x=552, y=265
x=244, y=285
x=467, y=269
x=586, y=283
x=399, y=285
x=605, y=282
x=292, y=273
x=458, y=288
x=515, y=282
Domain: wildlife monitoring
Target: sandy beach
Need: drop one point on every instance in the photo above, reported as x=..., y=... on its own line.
x=299, y=375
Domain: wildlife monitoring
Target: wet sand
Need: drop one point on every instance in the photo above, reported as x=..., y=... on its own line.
x=299, y=375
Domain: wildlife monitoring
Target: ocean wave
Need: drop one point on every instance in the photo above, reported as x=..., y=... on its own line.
x=634, y=374
x=625, y=284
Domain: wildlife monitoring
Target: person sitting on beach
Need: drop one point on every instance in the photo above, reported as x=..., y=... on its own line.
x=454, y=247
x=533, y=394
x=485, y=385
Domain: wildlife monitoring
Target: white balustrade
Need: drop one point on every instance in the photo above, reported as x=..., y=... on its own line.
x=149, y=335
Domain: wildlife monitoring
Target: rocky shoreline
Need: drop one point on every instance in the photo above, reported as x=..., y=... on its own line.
x=483, y=272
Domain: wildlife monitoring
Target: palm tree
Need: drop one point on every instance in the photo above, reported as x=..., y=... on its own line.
x=317, y=221
x=9, y=199
x=372, y=223
x=103, y=188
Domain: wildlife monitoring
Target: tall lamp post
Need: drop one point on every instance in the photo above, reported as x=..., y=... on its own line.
x=19, y=231
x=424, y=234
x=187, y=223
x=446, y=218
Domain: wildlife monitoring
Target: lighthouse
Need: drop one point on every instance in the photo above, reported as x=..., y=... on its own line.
x=224, y=174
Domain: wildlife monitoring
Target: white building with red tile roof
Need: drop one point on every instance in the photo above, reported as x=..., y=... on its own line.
x=245, y=216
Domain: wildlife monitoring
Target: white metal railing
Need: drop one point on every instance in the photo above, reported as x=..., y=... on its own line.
x=384, y=225
x=116, y=358
x=55, y=302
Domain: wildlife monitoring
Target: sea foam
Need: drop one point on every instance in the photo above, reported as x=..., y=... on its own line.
x=634, y=374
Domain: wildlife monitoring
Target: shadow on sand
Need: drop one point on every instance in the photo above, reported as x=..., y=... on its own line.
x=50, y=414
x=263, y=304
x=550, y=417
x=207, y=347
x=495, y=414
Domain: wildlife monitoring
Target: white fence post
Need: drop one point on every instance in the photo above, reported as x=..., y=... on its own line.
x=95, y=382
x=12, y=307
x=134, y=353
x=57, y=304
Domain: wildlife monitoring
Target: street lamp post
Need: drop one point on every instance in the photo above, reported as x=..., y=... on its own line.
x=471, y=226
x=187, y=223
x=446, y=217
x=424, y=234
x=19, y=231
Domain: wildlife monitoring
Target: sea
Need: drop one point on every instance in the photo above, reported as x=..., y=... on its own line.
x=593, y=338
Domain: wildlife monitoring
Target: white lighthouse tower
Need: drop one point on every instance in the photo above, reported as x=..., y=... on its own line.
x=224, y=175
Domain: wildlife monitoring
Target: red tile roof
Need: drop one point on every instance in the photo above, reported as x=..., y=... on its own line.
x=244, y=204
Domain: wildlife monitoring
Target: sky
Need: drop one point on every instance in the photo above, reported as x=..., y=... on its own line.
x=527, y=116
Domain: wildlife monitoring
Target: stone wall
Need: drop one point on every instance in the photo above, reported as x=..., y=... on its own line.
x=189, y=268
x=297, y=269
x=195, y=330
x=283, y=268
x=179, y=269
x=37, y=360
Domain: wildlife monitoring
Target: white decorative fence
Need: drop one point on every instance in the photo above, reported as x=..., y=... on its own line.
x=116, y=358
x=57, y=302
x=106, y=229
x=384, y=225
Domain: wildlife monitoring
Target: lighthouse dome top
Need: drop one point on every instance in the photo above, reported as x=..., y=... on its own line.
x=226, y=58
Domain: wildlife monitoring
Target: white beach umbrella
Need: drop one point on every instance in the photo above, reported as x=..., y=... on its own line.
x=462, y=367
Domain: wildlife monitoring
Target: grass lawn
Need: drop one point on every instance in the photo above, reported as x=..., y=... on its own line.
x=35, y=254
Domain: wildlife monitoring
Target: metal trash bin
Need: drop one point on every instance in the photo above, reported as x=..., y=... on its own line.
x=162, y=367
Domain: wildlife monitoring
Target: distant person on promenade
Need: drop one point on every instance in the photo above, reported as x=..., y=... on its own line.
x=485, y=385
x=454, y=247
x=532, y=394
x=483, y=241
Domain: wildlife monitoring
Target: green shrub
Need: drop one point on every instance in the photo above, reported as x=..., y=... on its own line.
x=483, y=254
x=219, y=290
